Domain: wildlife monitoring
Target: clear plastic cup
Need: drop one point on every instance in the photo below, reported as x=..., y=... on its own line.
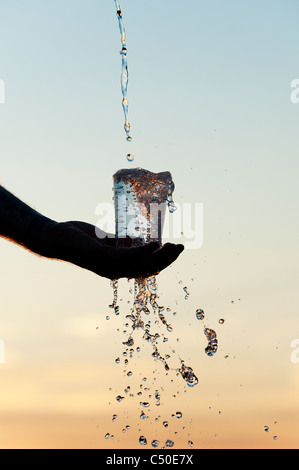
x=140, y=199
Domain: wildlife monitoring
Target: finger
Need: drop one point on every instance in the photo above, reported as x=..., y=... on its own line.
x=157, y=261
x=166, y=255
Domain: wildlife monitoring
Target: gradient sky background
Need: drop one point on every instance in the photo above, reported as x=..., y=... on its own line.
x=209, y=100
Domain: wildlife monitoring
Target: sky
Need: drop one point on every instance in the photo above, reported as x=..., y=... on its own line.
x=209, y=100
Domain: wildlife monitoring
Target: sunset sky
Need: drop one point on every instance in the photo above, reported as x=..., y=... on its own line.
x=209, y=101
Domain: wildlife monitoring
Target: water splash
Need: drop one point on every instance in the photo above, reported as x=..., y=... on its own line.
x=212, y=347
x=124, y=69
x=114, y=306
x=141, y=190
x=188, y=375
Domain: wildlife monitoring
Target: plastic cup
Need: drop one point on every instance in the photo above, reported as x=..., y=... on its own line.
x=140, y=199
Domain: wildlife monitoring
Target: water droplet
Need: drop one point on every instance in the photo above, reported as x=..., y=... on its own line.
x=119, y=398
x=275, y=438
x=129, y=139
x=114, y=417
x=190, y=443
x=266, y=428
x=130, y=157
x=169, y=443
x=178, y=414
x=117, y=360
x=221, y=321
x=200, y=314
x=165, y=424
x=142, y=415
x=171, y=207
x=155, y=444
x=142, y=441
x=107, y=436
x=145, y=404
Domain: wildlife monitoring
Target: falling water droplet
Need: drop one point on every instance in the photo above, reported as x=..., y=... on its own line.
x=145, y=404
x=155, y=444
x=200, y=314
x=266, y=428
x=130, y=157
x=142, y=440
x=107, y=436
x=169, y=443
x=172, y=207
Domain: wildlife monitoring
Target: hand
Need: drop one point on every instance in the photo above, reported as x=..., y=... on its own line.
x=77, y=243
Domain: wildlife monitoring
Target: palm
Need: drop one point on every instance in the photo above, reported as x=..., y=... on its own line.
x=83, y=245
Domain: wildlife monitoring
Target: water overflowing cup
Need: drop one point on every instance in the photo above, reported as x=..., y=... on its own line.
x=140, y=198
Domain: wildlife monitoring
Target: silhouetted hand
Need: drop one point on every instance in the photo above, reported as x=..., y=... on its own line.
x=77, y=243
